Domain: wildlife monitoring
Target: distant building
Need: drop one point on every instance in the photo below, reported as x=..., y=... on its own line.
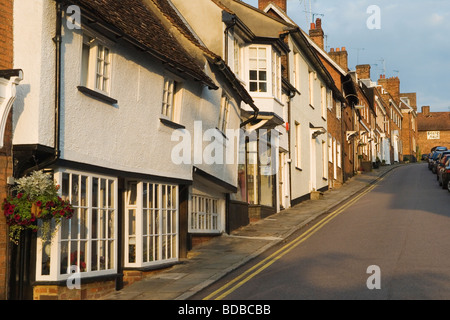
x=433, y=128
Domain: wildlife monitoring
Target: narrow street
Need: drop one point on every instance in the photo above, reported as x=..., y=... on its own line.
x=402, y=226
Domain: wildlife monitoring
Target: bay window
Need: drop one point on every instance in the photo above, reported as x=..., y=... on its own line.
x=151, y=223
x=86, y=243
x=258, y=69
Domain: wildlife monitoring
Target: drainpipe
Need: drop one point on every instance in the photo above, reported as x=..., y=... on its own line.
x=57, y=40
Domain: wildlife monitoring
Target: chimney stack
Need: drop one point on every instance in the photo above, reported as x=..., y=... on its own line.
x=340, y=56
x=262, y=4
x=363, y=71
x=316, y=33
x=391, y=85
x=426, y=110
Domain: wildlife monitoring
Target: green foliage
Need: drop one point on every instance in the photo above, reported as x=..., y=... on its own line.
x=36, y=200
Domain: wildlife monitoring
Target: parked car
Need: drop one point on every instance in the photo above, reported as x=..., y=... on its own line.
x=437, y=162
x=433, y=159
x=441, y=171
x=445, y=176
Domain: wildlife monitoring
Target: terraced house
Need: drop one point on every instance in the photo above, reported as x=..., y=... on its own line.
x=106, y=103
x=168, y=122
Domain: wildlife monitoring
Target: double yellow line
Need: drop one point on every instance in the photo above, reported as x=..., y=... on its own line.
x=261, y=266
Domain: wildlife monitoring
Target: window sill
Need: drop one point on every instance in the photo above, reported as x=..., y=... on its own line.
x=97, y=95
x=299, y=169
x=171, y=124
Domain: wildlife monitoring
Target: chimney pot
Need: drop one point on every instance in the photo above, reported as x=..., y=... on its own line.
x=319, y=23
x=313, y=26
x=343, y=49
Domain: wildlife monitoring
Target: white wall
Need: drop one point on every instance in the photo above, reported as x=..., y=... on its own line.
x=34, y=53
x=128, y=136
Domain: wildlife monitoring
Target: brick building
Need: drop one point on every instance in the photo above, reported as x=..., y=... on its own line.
x=433, y=129
x=406, y=103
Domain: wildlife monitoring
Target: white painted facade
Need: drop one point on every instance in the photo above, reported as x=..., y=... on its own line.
x=126, y=137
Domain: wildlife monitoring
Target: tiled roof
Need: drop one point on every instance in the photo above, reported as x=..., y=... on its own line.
x=433, y=121
x=137, y=22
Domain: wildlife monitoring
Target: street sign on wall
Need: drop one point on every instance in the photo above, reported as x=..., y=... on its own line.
x=433, y=135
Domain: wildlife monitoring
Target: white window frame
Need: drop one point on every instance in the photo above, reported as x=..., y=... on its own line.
x=298, y=143
x=311, y=81
x=98, y=66
x=276, y=75
x=224, y=113
x=158, y=237
x=202, y=216
x=55, y=246
x=338, y=154
x=171, y=98
x=258, y=60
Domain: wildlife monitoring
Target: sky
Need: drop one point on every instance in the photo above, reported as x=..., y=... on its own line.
x=411, y=40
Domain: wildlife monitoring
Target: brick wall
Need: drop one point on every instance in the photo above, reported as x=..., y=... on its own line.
x=425, y=145
x=89, y=291
x=6, y=36
x=6, y=62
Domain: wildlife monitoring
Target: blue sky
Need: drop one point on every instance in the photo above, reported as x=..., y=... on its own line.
x=413, y=41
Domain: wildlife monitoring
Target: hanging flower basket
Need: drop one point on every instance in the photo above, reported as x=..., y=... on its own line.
x=36, y=205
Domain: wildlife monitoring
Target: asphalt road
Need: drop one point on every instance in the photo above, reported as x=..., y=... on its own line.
x=402, y=227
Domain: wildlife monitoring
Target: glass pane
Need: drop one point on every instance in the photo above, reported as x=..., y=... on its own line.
x=64, y=257
x=94, y=231
x=103, y=193
x=262, y=75
x=131, y=222
x=95, y=192
x=82, y=256
x=156, y=198
x=164, y=197
x=263, y=87
x=83, y=224
x=262, y=53
x=262, y=64
x=74, y=225
x=46, y=251
x=94, y=256
x=111, y=191
x=131, y=250
x=65, y=187
x=169, y=197
x=253, y=86
x=253, y=75
x=102, y=254
x=144, y=249
x=65, y=223
x=103, y=220
x=111, y=254
x=132, y=195
x=253, y=64
x=150, y=195
x=253, y=52
x=151, y=256
x=75, y=189
x=83, y=196
x=145, y=195
x=73, y=253
x=144, y=222
x=111, y=224
x=174, y=197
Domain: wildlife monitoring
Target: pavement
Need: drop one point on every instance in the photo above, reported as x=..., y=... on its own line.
x=210, y=261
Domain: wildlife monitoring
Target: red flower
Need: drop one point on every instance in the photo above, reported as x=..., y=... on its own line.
x=19, y=195
x=39, y=203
